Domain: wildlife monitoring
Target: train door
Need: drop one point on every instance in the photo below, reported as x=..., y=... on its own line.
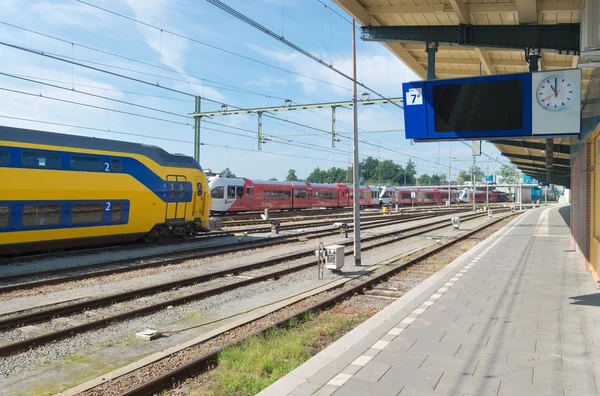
x=199, y=200
x=176, y=204
x=250, y=198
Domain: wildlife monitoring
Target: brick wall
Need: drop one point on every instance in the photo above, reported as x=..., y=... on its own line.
x=581, y=200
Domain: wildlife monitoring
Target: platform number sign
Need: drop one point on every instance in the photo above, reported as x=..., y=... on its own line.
x=414, y=96
x=413, y=195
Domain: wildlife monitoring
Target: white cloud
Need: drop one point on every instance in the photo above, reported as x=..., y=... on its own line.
x=267, y=81
x=382, y=72
x=171, y=49
x=74, y=14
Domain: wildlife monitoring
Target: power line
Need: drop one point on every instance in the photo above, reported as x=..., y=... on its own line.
x=282, y=39
x=158, y=138
x=93, y=106
x=93, y=95
x=103, y=88
x=336, y=13
x=208, y=45
x=224, y=86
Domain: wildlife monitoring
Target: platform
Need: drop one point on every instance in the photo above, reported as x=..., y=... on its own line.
x=515, y=315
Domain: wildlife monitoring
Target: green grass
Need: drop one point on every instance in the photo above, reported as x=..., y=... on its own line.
x=263, y=359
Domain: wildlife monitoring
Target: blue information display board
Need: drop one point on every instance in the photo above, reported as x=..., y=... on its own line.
x=508, y=105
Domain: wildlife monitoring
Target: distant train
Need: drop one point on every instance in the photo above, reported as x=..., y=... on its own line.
x=232, y=195
x=466, y=196
x=61, y=191
x=403, y=196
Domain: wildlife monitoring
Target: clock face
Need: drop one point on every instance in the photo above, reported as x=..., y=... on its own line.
x=555, y=93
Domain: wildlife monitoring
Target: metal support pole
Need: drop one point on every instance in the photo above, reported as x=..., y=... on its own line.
x=487, y=188
x=533, y=57
x=450, y=176
x=549, y=158
x=355, y=159
x=473, y=183
x=520, y=191
x=260, y=136
x=333, y=126
x=431, y=50
x=197, y=121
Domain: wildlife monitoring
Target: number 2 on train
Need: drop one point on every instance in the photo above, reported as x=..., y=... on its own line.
x=107, y=209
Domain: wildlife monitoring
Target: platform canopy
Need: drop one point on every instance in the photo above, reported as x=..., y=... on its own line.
x=455, y=58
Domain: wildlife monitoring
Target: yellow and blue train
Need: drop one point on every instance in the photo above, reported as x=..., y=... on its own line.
x=63, y=191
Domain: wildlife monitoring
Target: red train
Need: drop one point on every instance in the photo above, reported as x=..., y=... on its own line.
x=242, y=195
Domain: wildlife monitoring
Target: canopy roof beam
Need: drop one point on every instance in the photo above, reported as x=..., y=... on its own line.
x=560, y=37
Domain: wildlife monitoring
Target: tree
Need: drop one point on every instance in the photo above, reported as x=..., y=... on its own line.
x=317, y=176
x=227, y=173
x=436, y=180
x=466, y=176
x=368, y=168
x=424, y=179
x=508, y=174
x=411, y=171
x=291, y=176
x=273, y=179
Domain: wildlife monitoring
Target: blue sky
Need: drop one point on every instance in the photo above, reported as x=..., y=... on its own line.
x=169, y=61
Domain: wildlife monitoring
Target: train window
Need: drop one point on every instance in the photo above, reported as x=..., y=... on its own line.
x=310, y=194
x=115, y=165
x=351, y=194
x=172, y=191
x=239, y=192
x=181, y=192
x=316, y=195
x=218, y=192
x=87, y=163
x=267, y=194
x=87, y=213
x=199, y=188
x=288, y=195
x=297, y=193
x=249, y=192
x=230, y=191
x=428, y=196
x=117, y=212
x=40, y=159
x=335, y=195
x=4, y=157
x=405, y=195
x=4, y=216
x=41, y=215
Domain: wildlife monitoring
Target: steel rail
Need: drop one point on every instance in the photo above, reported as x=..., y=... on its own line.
x=199, y=252
x=103, y=301
x=194, y=366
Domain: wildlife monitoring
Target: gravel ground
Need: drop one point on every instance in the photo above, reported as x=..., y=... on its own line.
x=357, y=302
x=183, y=270
x=22, y=365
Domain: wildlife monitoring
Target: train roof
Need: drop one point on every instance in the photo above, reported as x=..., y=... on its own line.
x=155, y=153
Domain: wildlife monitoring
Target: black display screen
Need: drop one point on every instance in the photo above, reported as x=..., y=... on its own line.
x=472, y=107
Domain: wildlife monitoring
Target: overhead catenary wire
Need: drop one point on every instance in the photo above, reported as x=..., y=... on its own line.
x=209, y=45
x=94, y=95
x=282, y=39
x=220, y=85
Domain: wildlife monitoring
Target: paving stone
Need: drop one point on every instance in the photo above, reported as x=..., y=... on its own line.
x=523, y=319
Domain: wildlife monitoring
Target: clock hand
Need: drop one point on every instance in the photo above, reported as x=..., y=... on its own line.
x=555, y=86
x=551, y=95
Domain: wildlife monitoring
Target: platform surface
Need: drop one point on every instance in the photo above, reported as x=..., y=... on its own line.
x=516, y=315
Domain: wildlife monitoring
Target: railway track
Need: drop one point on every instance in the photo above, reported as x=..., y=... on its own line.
x=229, y=228
x=371, y=286
x=162, y=259
x=95, y=303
